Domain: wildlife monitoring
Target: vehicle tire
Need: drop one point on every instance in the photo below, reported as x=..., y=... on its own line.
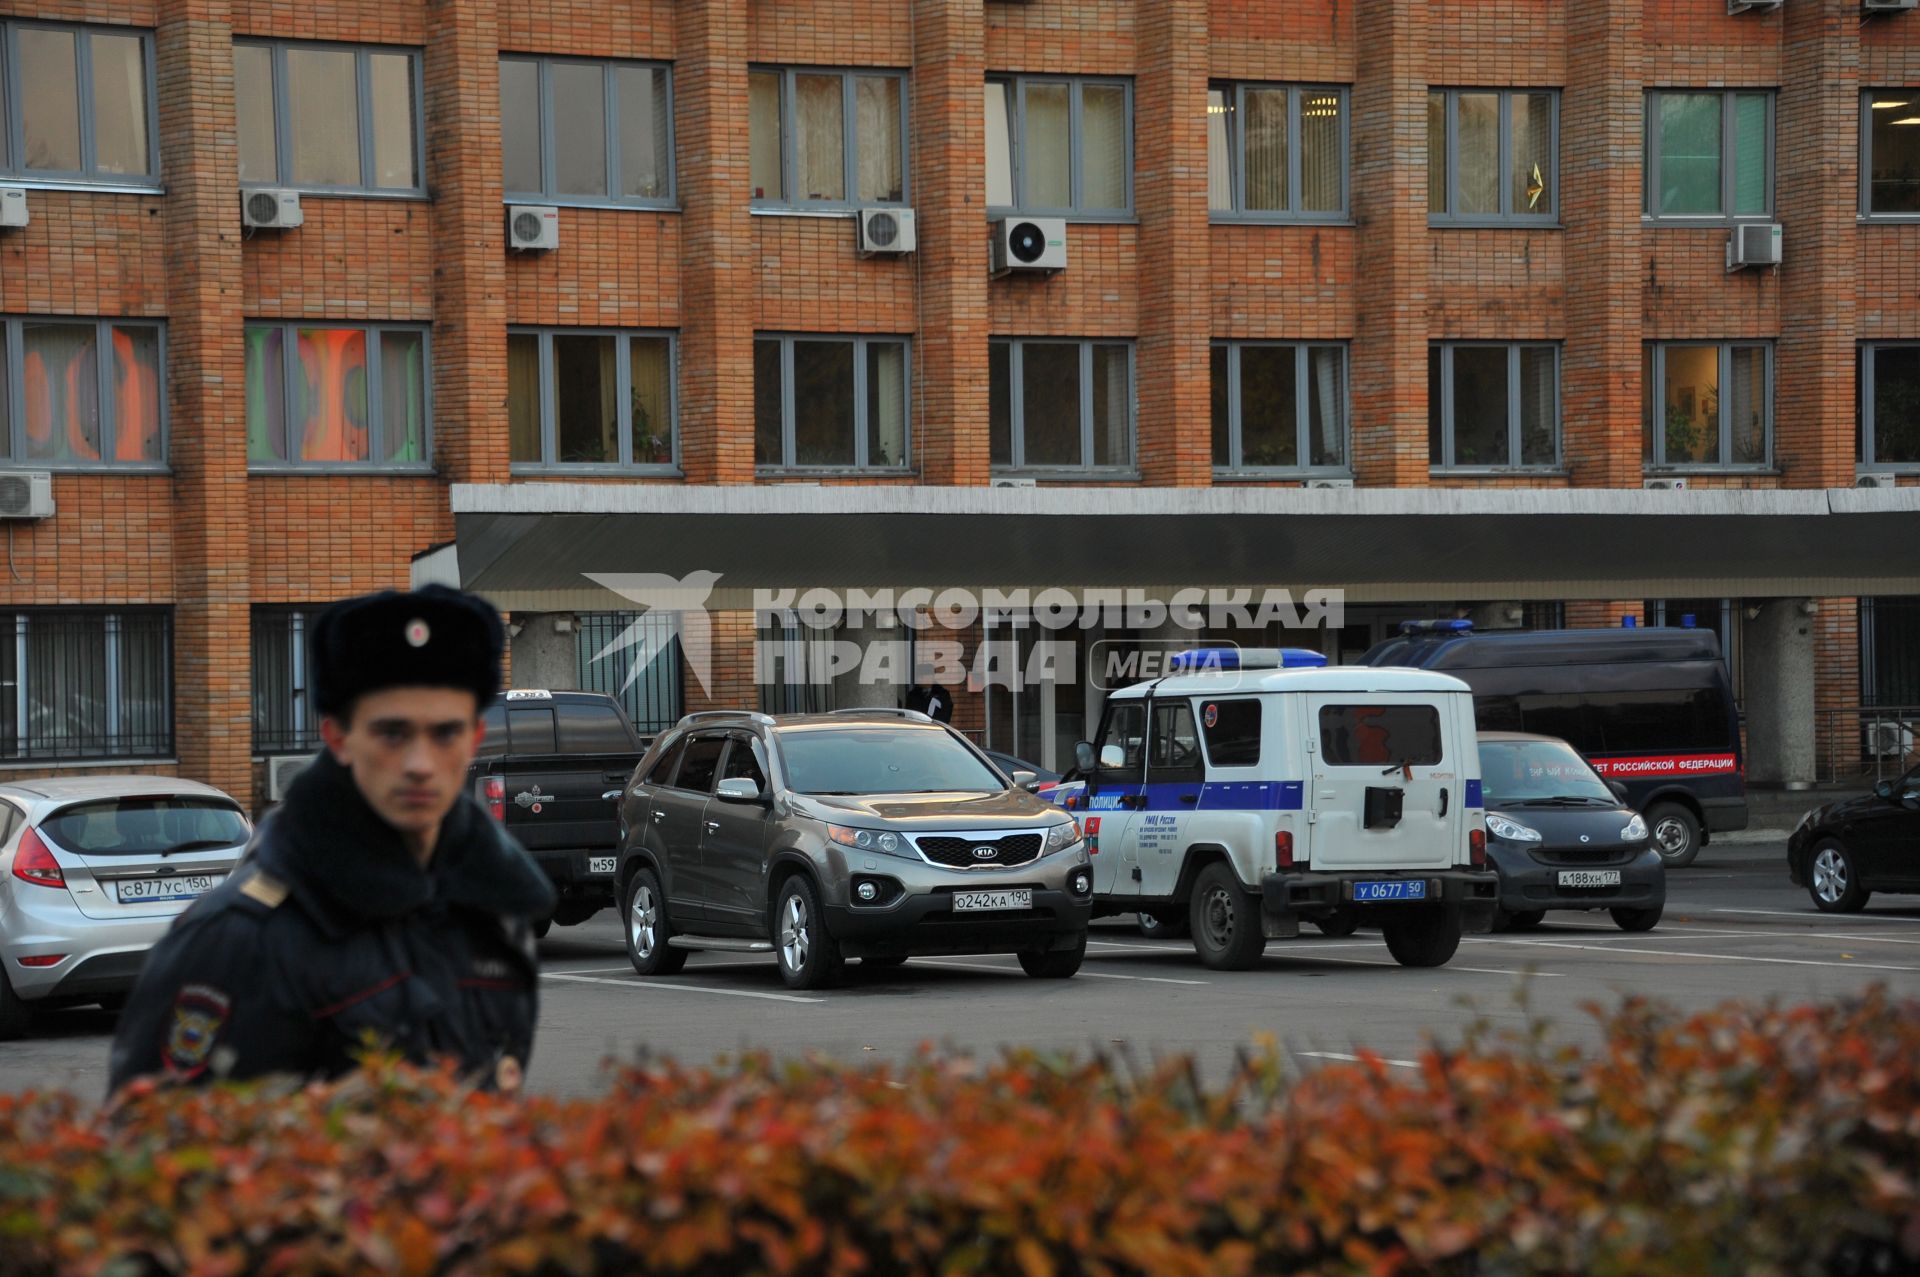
x=113, y=1003
x=1424, y=938
x=885, y=961
x=1833, y=879
x=16, y=1013
x=809, y=958
x=1055, y=964
x=1155, y=927
x=1676, y=834
x=1525, y=919
x=1637, y=919
x=647, y=927
x=1225, y=921
x=1343, y=921
x=571, y=913
x=541, y=926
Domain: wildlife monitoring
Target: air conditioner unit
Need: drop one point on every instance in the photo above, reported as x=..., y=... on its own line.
x=26, y=494
x=1016, y=483
x=1741, y=6
x=1329, y=483
x=886, y=230
x=1660, y=485
x=1887, y=739
x=1029, y=243
x=533, y=227
x=264, y=210
x=1875, y=479
x=281, y=769
x=1889, y=6
x=13, y=206
x=1754, y=244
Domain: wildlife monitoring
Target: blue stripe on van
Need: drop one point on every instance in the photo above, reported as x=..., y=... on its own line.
x=1236, y=795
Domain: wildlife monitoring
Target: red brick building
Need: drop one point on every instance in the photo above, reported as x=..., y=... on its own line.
x=1427, y=244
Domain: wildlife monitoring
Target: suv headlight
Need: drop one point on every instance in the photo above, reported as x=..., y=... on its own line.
x=1062, y=836
x=1508, y=830
x=1636, y=829
x=884, y=841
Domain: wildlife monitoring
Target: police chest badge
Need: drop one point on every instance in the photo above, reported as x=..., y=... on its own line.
x=199, y=1013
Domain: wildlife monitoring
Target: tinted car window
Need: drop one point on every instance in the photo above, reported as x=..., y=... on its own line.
x=882, y=760
x=1233, y=732
x=146, y=826
x=702, y=761
x=592, y=727
x=1516, y=771
x=531, y=731
x=1656, y=721
x=1382, y=735
x=1568, y=717
x=1125, y=731
x=743, y=763
x=662, y=772
x=1174, y=752
x=493, y=739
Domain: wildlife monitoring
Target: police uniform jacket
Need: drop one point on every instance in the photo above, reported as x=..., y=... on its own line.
x=330, y=935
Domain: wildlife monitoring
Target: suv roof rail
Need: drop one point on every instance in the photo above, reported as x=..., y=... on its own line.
x=887, y=710
x=751, y=715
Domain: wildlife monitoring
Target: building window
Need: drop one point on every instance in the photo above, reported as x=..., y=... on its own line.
x=1060, y=405
x=76, y=104
x=87, y=684
x=591, y=397
x=1493, y=156
x=1709, y=155
x=1708, y=403
x=82, y=393
x=336, y=396
x=830, y=402
x=635, y=658
x=826, y=138
x=1889, y=404
x=1890, y=158
x=1279, y=406
x=1060, y=146
x=328, y=117
x=581, y=132
x=283, y=722
x=1493, y=405
x=1276, y=152
x=1890, y=651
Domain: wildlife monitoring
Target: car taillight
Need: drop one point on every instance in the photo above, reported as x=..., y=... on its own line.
x=1092, y=828
x=32, y=862
x=1477, y=847
x=496, y=792
x=1283, y=849
x=44, y=960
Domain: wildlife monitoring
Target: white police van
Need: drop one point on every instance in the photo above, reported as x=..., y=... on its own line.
x=1250, y=789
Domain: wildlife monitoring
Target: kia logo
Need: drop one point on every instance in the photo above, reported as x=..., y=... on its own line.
x=986, y=853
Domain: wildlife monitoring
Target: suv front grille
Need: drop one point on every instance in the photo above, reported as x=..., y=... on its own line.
x=959, y=853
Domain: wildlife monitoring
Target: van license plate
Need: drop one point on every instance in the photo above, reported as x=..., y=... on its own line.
x=130, y=891
x=1397, y=889
x=1589, y=877
x=986, y=901
x=600, y=864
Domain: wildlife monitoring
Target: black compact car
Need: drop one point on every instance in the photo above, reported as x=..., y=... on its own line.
x=1563, y=838
x=1845, y=851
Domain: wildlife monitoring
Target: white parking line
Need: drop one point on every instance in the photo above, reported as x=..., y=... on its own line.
x=1717, y=957
x=1141, y=948
x=1096, y=975
x=1355, y=1059
x=685, y=988
x=1451, y=966
x=593, y=971
x=1812, y=914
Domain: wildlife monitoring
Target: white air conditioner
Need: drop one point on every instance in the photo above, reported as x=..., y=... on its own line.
x=281, y=769
x=886, y=230
x=1889, y=6
x=1875, y=479
x=1029, y=243
x=1741, y=6
x=1329, y=483
x=26, y=494
x=1753, y=244
x=264, y=210
x=1016, y=483
x=1889, y=739
x=1661, y=485
x=533, y=227
x=13, y=206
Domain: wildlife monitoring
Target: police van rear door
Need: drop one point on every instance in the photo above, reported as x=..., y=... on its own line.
x=1387, y=780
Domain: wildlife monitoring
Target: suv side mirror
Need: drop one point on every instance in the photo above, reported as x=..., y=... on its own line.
x=1024, y=779
x=737, y=789
x=1619, y=790
x=1083, y=755
x=613, y=796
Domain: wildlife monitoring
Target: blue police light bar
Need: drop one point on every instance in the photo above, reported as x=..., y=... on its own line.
x=1209, y=659
x=1436, y=627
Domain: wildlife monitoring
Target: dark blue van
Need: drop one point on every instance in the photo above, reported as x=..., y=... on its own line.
x=1651, y=708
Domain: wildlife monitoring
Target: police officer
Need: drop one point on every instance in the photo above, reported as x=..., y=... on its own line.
x=379, y=905
x=929, y=697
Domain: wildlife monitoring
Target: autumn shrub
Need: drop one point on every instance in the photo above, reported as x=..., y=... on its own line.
x=1745, y=1140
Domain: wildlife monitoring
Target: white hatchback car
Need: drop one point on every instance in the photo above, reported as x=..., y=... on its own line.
x=93, y=870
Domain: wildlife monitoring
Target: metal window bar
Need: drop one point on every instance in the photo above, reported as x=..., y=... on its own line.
x=89, y=685
x=281, y=721
x=609, y=643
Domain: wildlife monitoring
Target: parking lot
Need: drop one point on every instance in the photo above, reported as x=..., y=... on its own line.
x=1734, y=928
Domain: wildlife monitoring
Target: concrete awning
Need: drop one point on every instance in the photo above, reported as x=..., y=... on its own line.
x=532, y=546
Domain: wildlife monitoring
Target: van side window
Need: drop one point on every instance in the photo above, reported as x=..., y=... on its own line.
x=662, y=773
x=593, y=727
x=1380, y=735
x=1568, y=717
x=1174, y=752
x=1660, y=721
x=1233, y=732
x=1122, y=745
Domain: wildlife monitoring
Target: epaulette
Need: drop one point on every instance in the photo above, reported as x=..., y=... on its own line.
x=265, y=888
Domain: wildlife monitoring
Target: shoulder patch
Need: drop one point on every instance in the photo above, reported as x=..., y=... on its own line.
x=265, y=888
x=199, y=1013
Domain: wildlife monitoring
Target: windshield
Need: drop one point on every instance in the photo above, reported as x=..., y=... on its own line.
x=146, y=826
x=881, y=760
x=1518, y=771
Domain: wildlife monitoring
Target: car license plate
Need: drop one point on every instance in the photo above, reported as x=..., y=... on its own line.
x=1589, y=877
x=130, y=891
x=600, y=864
x=985, y=901
x=1396, y=889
